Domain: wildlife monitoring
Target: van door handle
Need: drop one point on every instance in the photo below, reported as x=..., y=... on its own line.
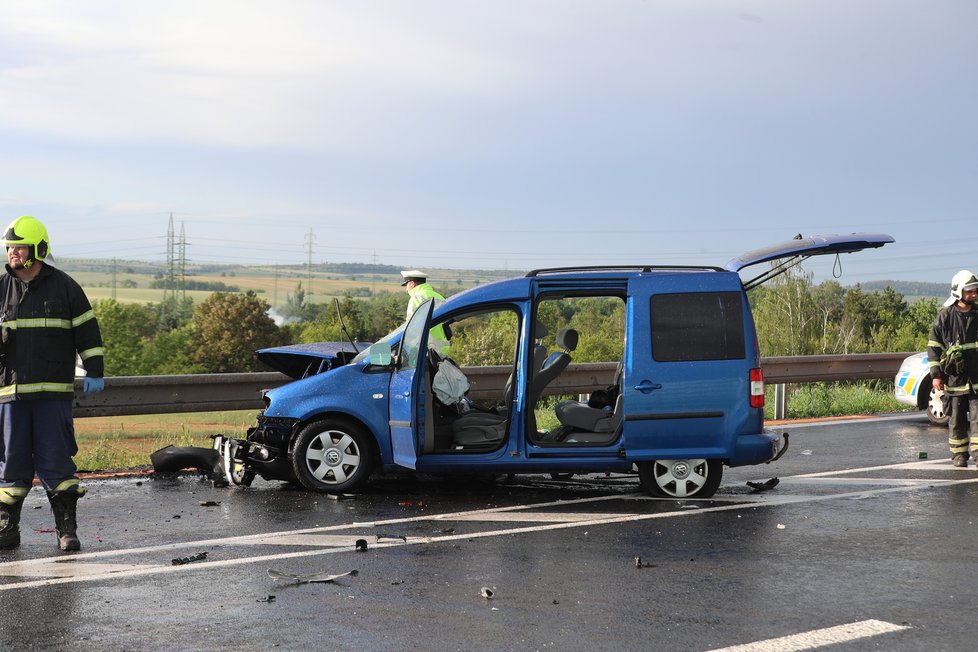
x=647, y=386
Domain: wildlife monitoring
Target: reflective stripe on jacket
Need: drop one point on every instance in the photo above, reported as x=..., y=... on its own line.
x=44, y=323
x=955, y=328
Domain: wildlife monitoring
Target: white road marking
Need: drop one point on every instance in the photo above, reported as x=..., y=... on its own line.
x=327, y=544
x=62, y=568
x=796, y=480
x=921, y=465
x=322, y=540
x=532, y=517
x=819, y=637
x=839, y=422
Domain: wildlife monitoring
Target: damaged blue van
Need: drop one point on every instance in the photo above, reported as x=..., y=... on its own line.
x=686, y=400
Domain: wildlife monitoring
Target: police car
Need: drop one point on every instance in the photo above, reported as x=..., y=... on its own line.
x=912, y=386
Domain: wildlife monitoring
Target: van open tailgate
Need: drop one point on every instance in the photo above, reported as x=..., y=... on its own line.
x=799, y=248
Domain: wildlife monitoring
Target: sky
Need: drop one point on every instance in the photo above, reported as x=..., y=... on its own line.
x=511, y=134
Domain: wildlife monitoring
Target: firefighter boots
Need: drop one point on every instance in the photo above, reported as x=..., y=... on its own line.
x=10, y=525
x=63, y=505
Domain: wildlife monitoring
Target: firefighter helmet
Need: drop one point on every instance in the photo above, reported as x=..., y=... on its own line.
x=963, y=280
x=28, y=231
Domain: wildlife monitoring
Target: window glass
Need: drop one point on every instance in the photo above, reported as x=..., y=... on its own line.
x=484, y=339
x=411, y=342
x=697, y=326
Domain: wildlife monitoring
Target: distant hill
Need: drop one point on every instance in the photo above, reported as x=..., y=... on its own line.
x=908, y=288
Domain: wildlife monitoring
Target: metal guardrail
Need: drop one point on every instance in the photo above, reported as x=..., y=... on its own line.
x=129, y=395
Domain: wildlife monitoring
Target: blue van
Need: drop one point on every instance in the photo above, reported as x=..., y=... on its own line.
x=687, y=398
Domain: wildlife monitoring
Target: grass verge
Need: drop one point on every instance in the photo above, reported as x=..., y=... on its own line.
x=113, y=443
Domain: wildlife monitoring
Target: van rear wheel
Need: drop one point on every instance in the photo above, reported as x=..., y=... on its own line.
x=332, y=456
x=681, y=478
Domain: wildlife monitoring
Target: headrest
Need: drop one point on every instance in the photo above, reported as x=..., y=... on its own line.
x=541, y=331
x=567, y=339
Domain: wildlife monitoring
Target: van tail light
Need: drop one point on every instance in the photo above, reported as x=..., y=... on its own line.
x=756, y=388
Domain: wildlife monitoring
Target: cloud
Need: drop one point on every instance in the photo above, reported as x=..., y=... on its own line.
x=234, y=74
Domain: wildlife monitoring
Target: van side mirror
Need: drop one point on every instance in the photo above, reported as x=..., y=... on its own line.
x=379, y=354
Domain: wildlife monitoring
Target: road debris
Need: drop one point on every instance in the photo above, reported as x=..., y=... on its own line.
x=267, y=598
x=487, y=593
x=392, y=536
x=643, y=564
x=210, y=503
x=308, y=579
x=341, y=496
x=764, y=486
x=361, y=545
x=200, y=556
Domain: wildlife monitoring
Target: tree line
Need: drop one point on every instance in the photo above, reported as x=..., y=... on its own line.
x=794, y=316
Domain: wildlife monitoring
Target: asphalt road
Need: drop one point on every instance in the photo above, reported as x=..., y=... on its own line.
x=861, y=545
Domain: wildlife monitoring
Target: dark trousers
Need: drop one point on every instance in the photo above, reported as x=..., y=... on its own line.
x=963, y=424
x=38, y=437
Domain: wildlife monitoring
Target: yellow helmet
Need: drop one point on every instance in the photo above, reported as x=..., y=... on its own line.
x=28, y=231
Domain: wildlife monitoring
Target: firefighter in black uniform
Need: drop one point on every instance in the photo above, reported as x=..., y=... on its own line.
x=952, y=354
x=45, y=321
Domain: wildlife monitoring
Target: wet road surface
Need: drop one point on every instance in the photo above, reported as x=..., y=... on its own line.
x=861, y=545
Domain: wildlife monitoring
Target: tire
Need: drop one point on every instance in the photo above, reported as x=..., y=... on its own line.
x=332, y=457
x=936, y=409
x=681, y=478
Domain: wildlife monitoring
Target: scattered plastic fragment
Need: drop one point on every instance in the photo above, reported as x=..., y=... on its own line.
x=487, y=593
x=922, y=455
x=781, y=526
x=268, y=598
x=200, y=556
x=341, y=496
x=643, y=564
x=361, y=545
x=210, y=503
x=764, y=486
x=392, y=536
x=43, y=530
x=448, y=530
x=397, y=582
x=307, y=579
x=807, y=451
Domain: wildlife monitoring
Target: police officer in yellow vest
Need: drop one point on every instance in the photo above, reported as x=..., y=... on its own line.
x=952, y=353
x=419, y=291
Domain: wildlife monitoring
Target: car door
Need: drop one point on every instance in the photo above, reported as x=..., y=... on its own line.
x=687, y=365
x=406, y=404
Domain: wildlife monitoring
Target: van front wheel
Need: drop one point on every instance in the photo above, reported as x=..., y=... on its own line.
x=331, y=457
x=681, y=478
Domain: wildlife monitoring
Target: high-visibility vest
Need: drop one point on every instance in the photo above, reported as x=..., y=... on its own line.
x=418, y=295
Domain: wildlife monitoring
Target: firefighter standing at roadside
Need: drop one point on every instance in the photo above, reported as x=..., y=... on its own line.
x=45, y=319
x=952, y=354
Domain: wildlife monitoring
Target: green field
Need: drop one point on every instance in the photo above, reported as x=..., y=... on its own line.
x=99, y=285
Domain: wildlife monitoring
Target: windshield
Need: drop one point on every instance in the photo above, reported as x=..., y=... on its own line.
x=393, y=334
x=386, y=338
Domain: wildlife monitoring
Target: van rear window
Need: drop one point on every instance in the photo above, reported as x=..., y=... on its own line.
x=697, y=326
